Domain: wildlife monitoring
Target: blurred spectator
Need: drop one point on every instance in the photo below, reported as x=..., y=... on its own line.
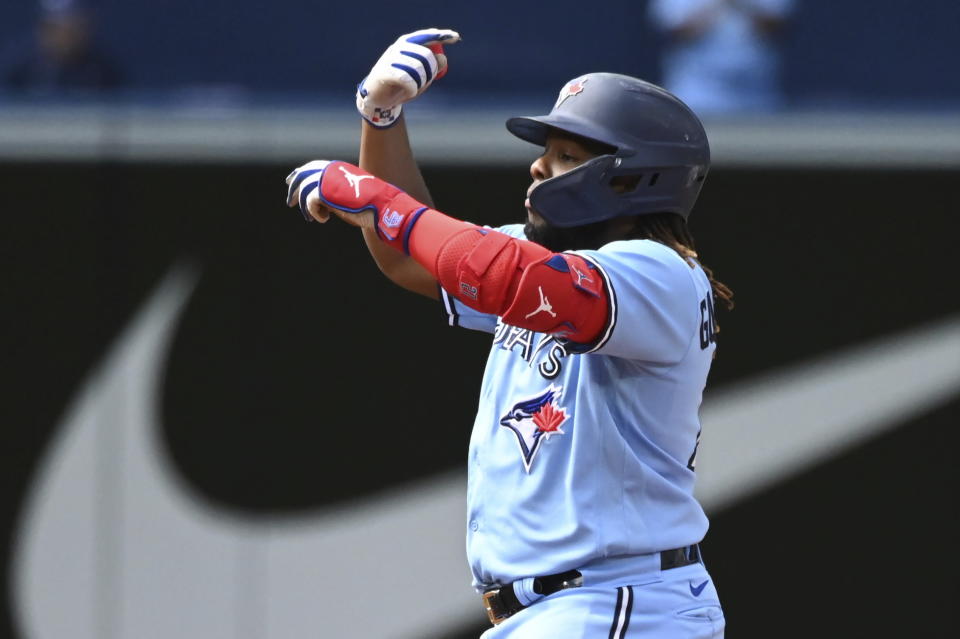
x=722, y=55
x=62, y=54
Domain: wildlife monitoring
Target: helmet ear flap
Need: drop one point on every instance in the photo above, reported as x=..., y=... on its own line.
x=579, y=196
x=608, y=186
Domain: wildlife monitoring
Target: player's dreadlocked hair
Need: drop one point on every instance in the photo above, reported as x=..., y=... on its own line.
x=671, y=230
x=668, y=229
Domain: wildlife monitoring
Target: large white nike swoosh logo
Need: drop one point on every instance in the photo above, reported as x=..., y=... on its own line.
x=113, y=546
x=764, y=430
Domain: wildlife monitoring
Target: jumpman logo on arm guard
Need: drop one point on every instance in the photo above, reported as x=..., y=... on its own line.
x=354, y=180
x=545, y=305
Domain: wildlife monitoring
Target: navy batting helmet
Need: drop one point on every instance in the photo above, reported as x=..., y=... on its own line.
x=657, y=139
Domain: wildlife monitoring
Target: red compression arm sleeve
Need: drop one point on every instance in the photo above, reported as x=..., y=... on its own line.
x=526, y=284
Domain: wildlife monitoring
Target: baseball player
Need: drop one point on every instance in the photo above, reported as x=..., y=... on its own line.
x=581, y=517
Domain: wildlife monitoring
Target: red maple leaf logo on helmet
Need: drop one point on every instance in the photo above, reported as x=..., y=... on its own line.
x=548, y=419
x=574, y=88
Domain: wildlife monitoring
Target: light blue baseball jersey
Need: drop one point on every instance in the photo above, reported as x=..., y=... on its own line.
x=583, y=456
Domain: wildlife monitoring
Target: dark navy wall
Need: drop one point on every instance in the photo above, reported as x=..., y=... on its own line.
x=308, y=45
x=877, y=51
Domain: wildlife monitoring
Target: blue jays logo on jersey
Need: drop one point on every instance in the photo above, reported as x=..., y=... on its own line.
x=535, y=420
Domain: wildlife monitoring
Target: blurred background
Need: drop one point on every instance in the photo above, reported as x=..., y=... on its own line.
x=222, y=422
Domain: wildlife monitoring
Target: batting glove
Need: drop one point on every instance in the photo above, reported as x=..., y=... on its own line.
x=403, y=72
x=306, y=179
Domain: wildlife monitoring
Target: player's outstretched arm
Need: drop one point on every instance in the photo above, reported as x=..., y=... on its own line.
x=403, y=72
x=524, y=283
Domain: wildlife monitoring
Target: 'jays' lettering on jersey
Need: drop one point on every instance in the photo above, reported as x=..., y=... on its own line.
x=583, y=455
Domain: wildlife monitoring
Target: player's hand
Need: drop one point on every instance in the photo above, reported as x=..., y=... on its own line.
x=302, y=190
x=306, y=188
x=320, y=188
x=403, y=72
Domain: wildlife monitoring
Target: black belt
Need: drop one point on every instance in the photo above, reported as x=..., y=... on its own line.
x=502, y=602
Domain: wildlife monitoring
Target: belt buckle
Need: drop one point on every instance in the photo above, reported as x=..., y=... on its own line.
x=491, y=603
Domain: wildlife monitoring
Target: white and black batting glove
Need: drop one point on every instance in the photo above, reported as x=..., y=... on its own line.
x=403, y=72
x=302, y=188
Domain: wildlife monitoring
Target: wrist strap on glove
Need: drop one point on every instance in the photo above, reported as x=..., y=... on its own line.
x=380, y=117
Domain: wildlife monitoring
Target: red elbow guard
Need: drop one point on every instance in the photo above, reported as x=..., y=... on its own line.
x=527, y=285
x=561, y=294
x=479, y=267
